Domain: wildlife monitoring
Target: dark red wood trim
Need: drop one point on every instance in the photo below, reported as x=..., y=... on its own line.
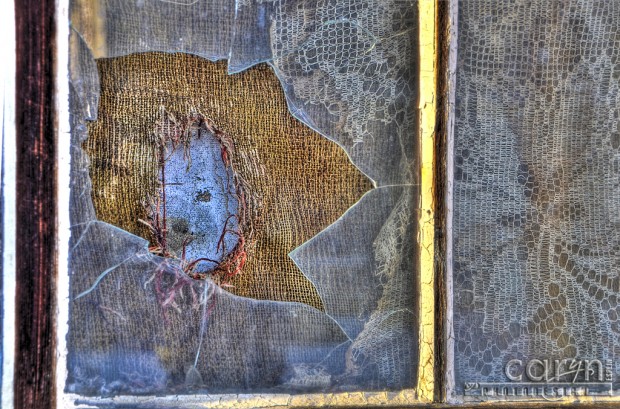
x=35, y=114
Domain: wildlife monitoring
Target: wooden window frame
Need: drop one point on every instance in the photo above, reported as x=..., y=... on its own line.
x=36, y=256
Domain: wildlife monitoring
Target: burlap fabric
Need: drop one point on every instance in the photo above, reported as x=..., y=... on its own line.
x=304, y=181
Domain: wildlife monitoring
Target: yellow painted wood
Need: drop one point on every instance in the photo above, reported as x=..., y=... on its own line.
x=426, y=226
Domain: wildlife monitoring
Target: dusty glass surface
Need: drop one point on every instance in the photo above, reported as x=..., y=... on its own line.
x=191, y=300
x=537, y=198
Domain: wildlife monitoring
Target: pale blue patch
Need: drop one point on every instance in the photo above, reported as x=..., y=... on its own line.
x=199, y=200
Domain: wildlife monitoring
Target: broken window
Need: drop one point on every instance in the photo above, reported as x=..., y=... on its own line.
x=243, y=198
x=337, y=203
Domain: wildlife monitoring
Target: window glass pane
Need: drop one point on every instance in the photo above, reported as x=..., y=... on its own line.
x=536, y=227
x=248, y=232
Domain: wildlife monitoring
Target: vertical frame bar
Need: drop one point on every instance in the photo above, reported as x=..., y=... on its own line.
x=426, y=221
x=448, y=368
x=7, y=210
x=63, y=191
x=35, y=239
